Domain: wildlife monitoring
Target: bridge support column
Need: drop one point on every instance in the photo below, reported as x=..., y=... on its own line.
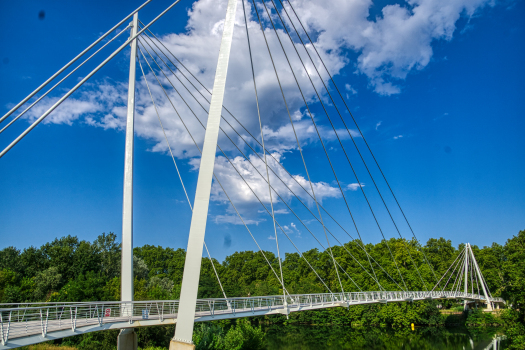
x=127, y=339
x=192, y=264
x=126, y=269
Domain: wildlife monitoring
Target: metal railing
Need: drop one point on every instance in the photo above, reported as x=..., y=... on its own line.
x=30, y=319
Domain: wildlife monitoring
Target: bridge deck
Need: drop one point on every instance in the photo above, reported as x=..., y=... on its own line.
x=25, y=324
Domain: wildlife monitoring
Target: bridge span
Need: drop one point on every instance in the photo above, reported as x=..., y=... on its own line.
x=31, y=323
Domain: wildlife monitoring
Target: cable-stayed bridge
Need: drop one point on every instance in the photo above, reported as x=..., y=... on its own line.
x=166, y=77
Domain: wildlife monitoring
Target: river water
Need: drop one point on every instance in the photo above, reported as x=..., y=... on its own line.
x=293, y=337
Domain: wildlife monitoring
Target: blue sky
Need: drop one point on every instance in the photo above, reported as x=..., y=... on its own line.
x=436, y=94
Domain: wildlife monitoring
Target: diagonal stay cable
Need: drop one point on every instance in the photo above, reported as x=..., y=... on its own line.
x=177, y=168
x=340, y=142
x=81, y=82
x=297, y=82
x=225, y=156
x=460, y=256
x=338, y=138
x=355, y=122
x=196, y=145
x=288, y=111
x=64, y=78
x=286, y=185
x=27, y=98
x=463, y=253
x=238, y=134
x=359, y=243
x=264, y=150
x=324, y=148
x=447, y=271
x=333, y=127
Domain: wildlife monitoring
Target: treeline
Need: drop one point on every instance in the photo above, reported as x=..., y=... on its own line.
x=69, y=269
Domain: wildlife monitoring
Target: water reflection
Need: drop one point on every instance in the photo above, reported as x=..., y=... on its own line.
x=333, y=337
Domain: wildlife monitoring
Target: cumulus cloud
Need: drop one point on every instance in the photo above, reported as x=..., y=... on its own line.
x=354, y=186
x=105, y=97
x=240, y=192
x=389, y=46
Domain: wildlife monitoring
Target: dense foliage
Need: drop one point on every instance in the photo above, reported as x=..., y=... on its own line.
x=69, y=269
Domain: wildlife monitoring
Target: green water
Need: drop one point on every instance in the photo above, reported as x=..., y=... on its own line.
x=336, y=337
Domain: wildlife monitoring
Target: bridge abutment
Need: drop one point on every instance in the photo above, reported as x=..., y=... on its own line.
x=127, y=339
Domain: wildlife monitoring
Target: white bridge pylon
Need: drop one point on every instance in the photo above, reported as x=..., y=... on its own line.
x=465, y=271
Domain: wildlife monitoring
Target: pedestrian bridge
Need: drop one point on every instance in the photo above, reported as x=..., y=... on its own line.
x=25, y=324
x=30, y=323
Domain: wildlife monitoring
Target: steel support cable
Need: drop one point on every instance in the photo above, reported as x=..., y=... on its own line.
x=483, y=279
x=287, y=109
x=349, y=112
x=477, y=284
x=56, y=104
x=248, y=144
x=214, y=270
x=335, y=131
x=196, y=145
x=245, y=180
x=64, y=78
x=359, y=243
x=240, y=136
x=337, y=135
x=264, y=148
x=232, y=164
x=460, y=275
x=447, y=271
x=452, y=273
x=324, y=148
x=302, y=157
x=456, y=266
x=320, y=138
x=297, y=82
x=177, y=168
x=460, y=272
x=71, y=62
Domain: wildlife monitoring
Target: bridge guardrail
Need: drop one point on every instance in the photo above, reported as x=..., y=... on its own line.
x=25, y=319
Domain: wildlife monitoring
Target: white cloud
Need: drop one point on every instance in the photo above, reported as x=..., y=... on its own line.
x=350, y=89
x=378, y=124
x=354, y=186
x=239, y=192
x=235, y=220
x=398, y=137
x=87, y=103
x=391, y=45
x=277, y=211
x=296, y=229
